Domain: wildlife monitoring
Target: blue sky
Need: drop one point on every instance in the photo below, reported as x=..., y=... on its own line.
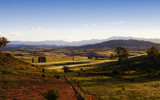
x=75, y=20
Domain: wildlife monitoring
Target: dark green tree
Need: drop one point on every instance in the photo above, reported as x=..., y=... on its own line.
x=153, y=52
x=121, y=53
x=92, y=54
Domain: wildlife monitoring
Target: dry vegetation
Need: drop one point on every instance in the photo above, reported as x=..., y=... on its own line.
x=22, y=81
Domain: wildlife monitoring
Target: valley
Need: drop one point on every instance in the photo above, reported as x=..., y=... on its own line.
x=79, y=74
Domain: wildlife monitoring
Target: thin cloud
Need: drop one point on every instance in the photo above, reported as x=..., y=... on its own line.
x=91, y=25
x=121, y=22
x=115, y=23
x=12, y=34
x=37, y=28
x=118, y=22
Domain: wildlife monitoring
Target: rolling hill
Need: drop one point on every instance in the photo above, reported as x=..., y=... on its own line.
x=116, y=43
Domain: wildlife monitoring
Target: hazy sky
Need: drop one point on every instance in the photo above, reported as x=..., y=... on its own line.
x=74, y=20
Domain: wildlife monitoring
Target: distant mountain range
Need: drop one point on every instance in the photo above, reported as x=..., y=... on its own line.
x=74, y=43
x=116, y=43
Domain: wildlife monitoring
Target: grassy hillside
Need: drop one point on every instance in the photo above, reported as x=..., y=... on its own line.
x=22, y=81
x=138, y=79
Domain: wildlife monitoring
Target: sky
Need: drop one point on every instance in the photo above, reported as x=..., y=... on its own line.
x=75, y=20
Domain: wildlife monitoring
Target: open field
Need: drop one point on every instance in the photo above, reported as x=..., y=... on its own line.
x=57, y=59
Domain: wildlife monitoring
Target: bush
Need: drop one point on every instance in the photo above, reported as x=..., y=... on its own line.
x=79, y=73
x=57, y=76
x=52, y=94
x=43, y=75
x=43, y=70
x=66, y=69
x=116, y=72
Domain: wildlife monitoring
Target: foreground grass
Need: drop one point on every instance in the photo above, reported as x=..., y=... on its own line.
x=110, y=88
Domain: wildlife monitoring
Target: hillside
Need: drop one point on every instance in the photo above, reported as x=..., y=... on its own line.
x=116, y=43
x=8, y=61
x=22, y=81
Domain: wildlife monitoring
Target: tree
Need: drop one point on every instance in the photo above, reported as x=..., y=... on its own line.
x=121, y=53
x=153, y=52
x=32, y=60
x=92, y=54
x=3, y=42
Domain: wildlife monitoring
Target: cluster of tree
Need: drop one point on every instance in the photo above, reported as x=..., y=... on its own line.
x=122, y=53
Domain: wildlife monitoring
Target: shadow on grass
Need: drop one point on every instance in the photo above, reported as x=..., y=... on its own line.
x=145, y=70
x=61, y=64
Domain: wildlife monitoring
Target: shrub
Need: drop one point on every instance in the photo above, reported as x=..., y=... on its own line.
x=57, y=76
x=43, y=76
x=79, y=73
x=66, y=69
x=43, y=70
x=116, y=72
x=52, y=94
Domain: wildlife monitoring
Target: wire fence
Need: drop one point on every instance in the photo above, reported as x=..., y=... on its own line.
x=83, y=95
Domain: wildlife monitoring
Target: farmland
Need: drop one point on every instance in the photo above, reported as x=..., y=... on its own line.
x=103, y=78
